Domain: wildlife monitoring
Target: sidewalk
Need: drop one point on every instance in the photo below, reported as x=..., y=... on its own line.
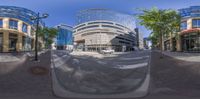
x=14, y=56
x=171, y=77
x=11, y=57
x=191, y=57
x=17, y=79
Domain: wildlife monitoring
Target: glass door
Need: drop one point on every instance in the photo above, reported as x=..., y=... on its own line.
x=1, y=42
x=12, y=42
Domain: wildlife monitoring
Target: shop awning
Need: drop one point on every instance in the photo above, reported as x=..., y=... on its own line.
x=190, y=31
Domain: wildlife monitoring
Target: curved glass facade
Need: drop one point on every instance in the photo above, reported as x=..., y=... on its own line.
x=64, y=36
x=17, y=29
x=104, y=14
x=18, y=13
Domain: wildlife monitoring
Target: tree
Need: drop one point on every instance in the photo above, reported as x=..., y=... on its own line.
x=154, y=38
x=161, y=22
x=173, y=25
x=47, y=34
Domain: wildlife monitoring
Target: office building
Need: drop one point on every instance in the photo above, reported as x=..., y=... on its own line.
x=100, y=29
x=64, y=38
x=16, y=29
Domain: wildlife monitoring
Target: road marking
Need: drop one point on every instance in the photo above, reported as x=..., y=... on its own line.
x=59, y=61
x=132, y=66
x=135, y=58
x=101, y=62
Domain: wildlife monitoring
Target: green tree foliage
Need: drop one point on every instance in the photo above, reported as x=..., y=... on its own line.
x=47, y=34
x=161, y=22
x=154, y=39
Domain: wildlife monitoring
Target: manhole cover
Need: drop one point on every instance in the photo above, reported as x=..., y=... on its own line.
x=39, y=70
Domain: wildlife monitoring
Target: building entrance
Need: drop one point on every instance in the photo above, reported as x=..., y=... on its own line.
x=12, y=42
x=1, y=42
x=191, y=42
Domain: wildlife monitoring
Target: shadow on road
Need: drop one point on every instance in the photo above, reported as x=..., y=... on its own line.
x=172, y=76
x=90, y=75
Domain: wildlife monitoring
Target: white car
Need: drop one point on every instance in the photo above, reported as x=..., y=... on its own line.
x=107, y=51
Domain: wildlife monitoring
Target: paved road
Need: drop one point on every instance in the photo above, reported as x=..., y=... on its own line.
x=111, y=74
x=170, y=78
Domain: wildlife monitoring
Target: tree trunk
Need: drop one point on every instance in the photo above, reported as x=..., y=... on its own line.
x=171, y=42
x=161, y=44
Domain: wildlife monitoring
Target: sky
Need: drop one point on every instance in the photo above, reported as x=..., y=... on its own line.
x=64, y=11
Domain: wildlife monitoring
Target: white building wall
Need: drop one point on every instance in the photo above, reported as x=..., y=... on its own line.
x=101, y=35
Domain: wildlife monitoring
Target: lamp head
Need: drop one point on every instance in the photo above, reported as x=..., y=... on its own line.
x=33, y=18
x=45, y=15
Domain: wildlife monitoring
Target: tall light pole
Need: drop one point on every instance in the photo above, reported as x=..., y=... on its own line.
x=37, y=19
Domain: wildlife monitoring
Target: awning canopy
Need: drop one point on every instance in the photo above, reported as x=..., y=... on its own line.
x=190, y=31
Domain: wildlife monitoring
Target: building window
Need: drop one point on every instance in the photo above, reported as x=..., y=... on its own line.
x=183, y=25
x=24, y=28
x=13, y=24
x=111, y=27
x=80, y=26
x=123, y=42
x=88, y=27
x=1, y=23
x=196, y=23
x=100, y=23
x=32, y=31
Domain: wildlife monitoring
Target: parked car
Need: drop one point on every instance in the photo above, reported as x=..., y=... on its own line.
x=107, y=51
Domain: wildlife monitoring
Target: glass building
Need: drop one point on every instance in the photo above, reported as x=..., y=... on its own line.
x=105, y=14
x=190, y=29
x=99, y=29
x=17, y=30
x=64, y=38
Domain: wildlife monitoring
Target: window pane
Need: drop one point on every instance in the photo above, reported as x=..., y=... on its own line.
x=24, y=28
x=1, y=23
x=13, y=24
x=196, y=23
x=183, y=25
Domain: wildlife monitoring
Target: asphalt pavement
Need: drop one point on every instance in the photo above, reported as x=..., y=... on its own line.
x=170, y=78
x=110, y=74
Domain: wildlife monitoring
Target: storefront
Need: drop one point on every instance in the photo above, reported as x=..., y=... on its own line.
x=191, y=42
x=26, y=43
x=1, y=42
x=170, y=44
x=190, y=29
x=12, y=42
x=167, y=45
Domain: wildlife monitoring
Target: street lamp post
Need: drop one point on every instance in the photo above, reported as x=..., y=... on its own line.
x=37, y=18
